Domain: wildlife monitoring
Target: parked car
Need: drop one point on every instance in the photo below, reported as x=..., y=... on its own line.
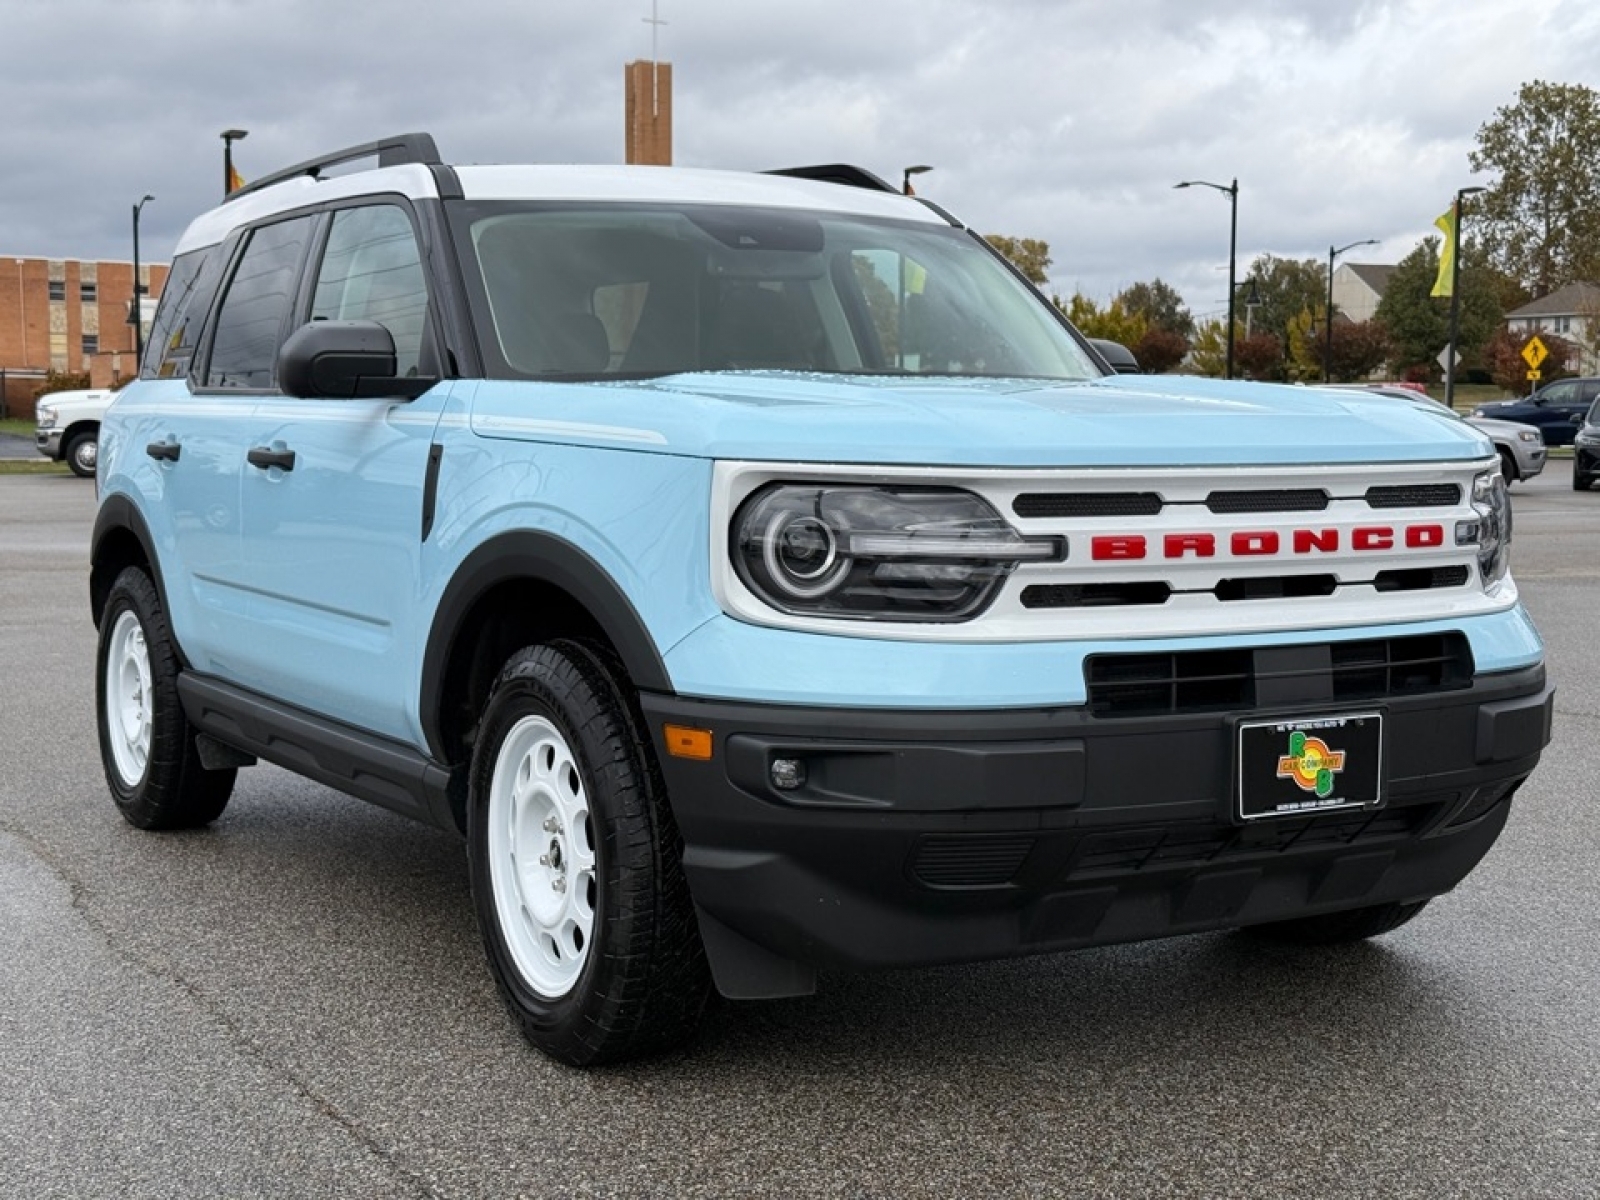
x=1586, y=452
x=1557, y=408
x=764, y=579
x=69, y=427
x=1521, y=447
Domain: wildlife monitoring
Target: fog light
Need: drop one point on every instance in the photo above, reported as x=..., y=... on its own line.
x=788, y=774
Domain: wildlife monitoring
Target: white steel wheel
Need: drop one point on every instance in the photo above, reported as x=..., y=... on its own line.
x=128, y=698
x=541, y=855
x=147, y=748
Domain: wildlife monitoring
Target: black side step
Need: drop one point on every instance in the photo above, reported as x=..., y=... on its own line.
x=387, y=773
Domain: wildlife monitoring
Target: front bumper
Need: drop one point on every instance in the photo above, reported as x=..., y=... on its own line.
x=48, y=443
x=933, y=837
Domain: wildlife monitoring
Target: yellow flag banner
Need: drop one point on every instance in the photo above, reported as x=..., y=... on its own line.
x=235, y=180
x=1447, y=253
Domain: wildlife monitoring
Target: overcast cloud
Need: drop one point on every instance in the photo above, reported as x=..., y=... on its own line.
x=1067, y=120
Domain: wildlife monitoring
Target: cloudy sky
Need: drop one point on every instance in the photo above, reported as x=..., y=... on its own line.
x=1067, y=120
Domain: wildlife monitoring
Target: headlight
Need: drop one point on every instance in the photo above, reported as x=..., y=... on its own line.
x=46, y=416
x=1529, y=435
x=1491, y=532
x=1480, y=412
x=1589, y=435
x=877, y=553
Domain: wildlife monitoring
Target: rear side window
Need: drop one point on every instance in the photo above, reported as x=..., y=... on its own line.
x=191, y=284
x=255, y=308
x=372, y=271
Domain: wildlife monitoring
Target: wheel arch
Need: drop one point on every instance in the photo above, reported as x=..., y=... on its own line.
x=515, y=589
x=121, y=539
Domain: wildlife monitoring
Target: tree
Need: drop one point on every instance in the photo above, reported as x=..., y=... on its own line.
x=1259, y=356
x=1029, y=255
x=1419, y=322
x=1160, y=350
x=1540, y=220
x=1112, y=322
x=1160, y=305
x=1359, y=349
x=1208, y=352
x=1287, y=287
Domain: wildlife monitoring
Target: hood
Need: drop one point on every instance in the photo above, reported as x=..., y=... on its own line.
x=1498, y=428
x=1125, y=420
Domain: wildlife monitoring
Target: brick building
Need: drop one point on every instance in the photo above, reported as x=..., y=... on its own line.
x=66, y=315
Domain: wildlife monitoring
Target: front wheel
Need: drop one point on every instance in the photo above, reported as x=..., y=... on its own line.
x=82, y=453
x=1354, y=925
x=146, y=743
x=576, y=865
x=1580, y=483
x=1508, y=466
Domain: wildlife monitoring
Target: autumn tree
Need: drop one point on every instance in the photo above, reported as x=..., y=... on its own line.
x=1160, y=350
x=1259, y=356
x=1160, y=305
x=1539, y=220
x=1509, y=370
x=1208, y=349
x=1031, y=256
x=1112, y=322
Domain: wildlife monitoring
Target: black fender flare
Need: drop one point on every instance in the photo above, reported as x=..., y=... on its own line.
x=119, y=514
x=544, y=558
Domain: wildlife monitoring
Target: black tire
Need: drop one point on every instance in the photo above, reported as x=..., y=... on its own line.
x=593, y=943
x=1508, y=466
x=81, y=453
x=1354, y=925
x=147, y=746
x=1581, y=483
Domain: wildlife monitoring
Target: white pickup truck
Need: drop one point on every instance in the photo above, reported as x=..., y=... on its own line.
x=69, y=427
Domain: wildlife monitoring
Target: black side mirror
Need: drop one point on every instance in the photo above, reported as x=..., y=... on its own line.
x=1118, y=357
x=343, y=360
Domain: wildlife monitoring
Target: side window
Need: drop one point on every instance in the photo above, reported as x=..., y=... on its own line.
x=372, y=271
x=1556, y=393
x=191, y=284
x=251, y=321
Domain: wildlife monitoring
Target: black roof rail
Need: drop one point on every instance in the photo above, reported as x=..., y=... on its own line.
x=842, y=173
x=390, y=152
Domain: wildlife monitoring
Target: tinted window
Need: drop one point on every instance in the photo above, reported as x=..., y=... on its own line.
x=251, y=322
x=371, y=271
x=190, y=285
x=589, y=290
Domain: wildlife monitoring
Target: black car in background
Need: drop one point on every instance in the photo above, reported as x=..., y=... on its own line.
x=1557, y=409
x=1586, y=452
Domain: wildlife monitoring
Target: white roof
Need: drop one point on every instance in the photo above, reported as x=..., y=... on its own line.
x=665, y=185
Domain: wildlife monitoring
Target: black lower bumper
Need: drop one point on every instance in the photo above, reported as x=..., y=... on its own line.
x=931, y=837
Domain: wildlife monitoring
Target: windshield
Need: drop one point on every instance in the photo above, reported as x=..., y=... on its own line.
x=590, y=291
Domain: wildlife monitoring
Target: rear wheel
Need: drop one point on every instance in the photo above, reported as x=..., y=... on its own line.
x=146, y=743
x=1355, y=925
x=82, y=453
x=576, y=865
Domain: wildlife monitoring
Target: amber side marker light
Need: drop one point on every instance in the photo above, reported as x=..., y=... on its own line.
x=684, y=741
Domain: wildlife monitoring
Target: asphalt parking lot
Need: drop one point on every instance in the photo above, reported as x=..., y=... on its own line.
x=294, y=1003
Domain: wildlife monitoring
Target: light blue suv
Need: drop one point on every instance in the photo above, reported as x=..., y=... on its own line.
x=763, y=577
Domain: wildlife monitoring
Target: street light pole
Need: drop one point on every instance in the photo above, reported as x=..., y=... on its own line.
x=229, y=137
x=1232, y=192
x=1455, y=298
x=136, y=313
x=905, y=177
x=1327, y=334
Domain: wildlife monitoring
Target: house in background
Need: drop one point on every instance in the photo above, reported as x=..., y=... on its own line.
x=1571, y=312
x=1357, y=288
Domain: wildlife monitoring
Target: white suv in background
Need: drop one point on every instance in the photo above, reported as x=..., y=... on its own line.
x=69, y=427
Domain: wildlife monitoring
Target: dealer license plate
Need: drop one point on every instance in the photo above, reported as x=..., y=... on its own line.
x=1292, y=768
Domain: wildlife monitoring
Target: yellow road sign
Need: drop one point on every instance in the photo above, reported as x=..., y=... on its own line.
x=1533, y=375
x=1534, y=353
